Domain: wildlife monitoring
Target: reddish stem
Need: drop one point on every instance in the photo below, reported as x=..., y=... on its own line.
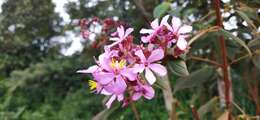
x=224, y=59
x=195, y=113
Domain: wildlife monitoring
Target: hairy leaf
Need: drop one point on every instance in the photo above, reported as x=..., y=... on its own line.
x=204, y=109
x=236, y=39
x=194, y=79
x=178, y=67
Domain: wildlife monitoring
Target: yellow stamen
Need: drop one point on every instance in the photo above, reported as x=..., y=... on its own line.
x=92, y=84
x=122, y=63
x=117, y=65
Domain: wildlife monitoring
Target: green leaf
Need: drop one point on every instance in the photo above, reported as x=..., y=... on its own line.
x=178, y=67
x=194, y=79
x=246, y=18
x=161, y=9
x=207, y=107
x=236, y=39
x=256, y=61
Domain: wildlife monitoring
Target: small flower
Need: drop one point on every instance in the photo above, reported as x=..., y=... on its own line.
x=122, y=35
x=142, y=90
x=148, y=64
x=154, y=31
x=178, y=32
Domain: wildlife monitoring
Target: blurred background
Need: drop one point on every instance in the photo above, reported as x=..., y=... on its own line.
x=41, y=49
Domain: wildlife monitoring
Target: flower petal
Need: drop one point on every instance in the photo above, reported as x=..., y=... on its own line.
x=159, y=69
x=145, y=39
x=149, y=92
x=128, y=31
x=144, y=31
x=176, y=23
x=127, y=72
x=110, y=101
x=140, y=54
x=114, y=39
x=182, y=44
x=105, y=92
x=156, y=55
x=136, y=96
x=149, y=76
x=119, y=86
x=104, y=77
x=155, y=24
x=103, y=61
x=91, y=69
x=164, y=20
x=138, y=68
x=120, y=31
x=120, y=97
x=185, y=29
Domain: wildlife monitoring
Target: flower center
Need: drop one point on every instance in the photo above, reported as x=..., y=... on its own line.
x=117, y=65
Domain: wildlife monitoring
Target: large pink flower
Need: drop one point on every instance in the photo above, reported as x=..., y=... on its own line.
x=155, y=28
x=149, y=65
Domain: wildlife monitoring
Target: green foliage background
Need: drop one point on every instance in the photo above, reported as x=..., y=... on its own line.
x=37, y=82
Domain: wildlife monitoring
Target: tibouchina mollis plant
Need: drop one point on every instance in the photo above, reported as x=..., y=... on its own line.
x=126, y=71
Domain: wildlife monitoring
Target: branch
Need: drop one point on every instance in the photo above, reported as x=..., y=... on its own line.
x=140, y=7
x=137, y=116
x=194, y=113
x=223, y=48
x=205, y=60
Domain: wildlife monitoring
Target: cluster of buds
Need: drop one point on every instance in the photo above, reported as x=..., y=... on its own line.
x=126, y=71
x=108, y=26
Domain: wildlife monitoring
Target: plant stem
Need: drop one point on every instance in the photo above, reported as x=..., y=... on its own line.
x=205, y=60
x=137, y=117
x=240, y=58
x=194, y=113
x=222, y=43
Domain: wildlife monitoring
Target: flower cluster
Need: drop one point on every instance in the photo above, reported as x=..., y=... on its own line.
x=126, y=71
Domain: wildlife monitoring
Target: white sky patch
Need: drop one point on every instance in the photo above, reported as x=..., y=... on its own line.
x=231, y=23
x=75, y=39
x=1, y=3
x=247, y=36
x=191, y=17
x=244, y=23
x=70, y=36
x=60, y=9
x=225, y=1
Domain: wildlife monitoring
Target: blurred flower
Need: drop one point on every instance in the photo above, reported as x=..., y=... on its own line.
x=142, y=90
x=154, y=31
x=122, y=35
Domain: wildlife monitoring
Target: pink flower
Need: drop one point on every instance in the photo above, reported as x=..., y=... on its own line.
x=148, y=64
x=155, y=28
x=179, y=31
x=122, y=35
x=142, y=90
